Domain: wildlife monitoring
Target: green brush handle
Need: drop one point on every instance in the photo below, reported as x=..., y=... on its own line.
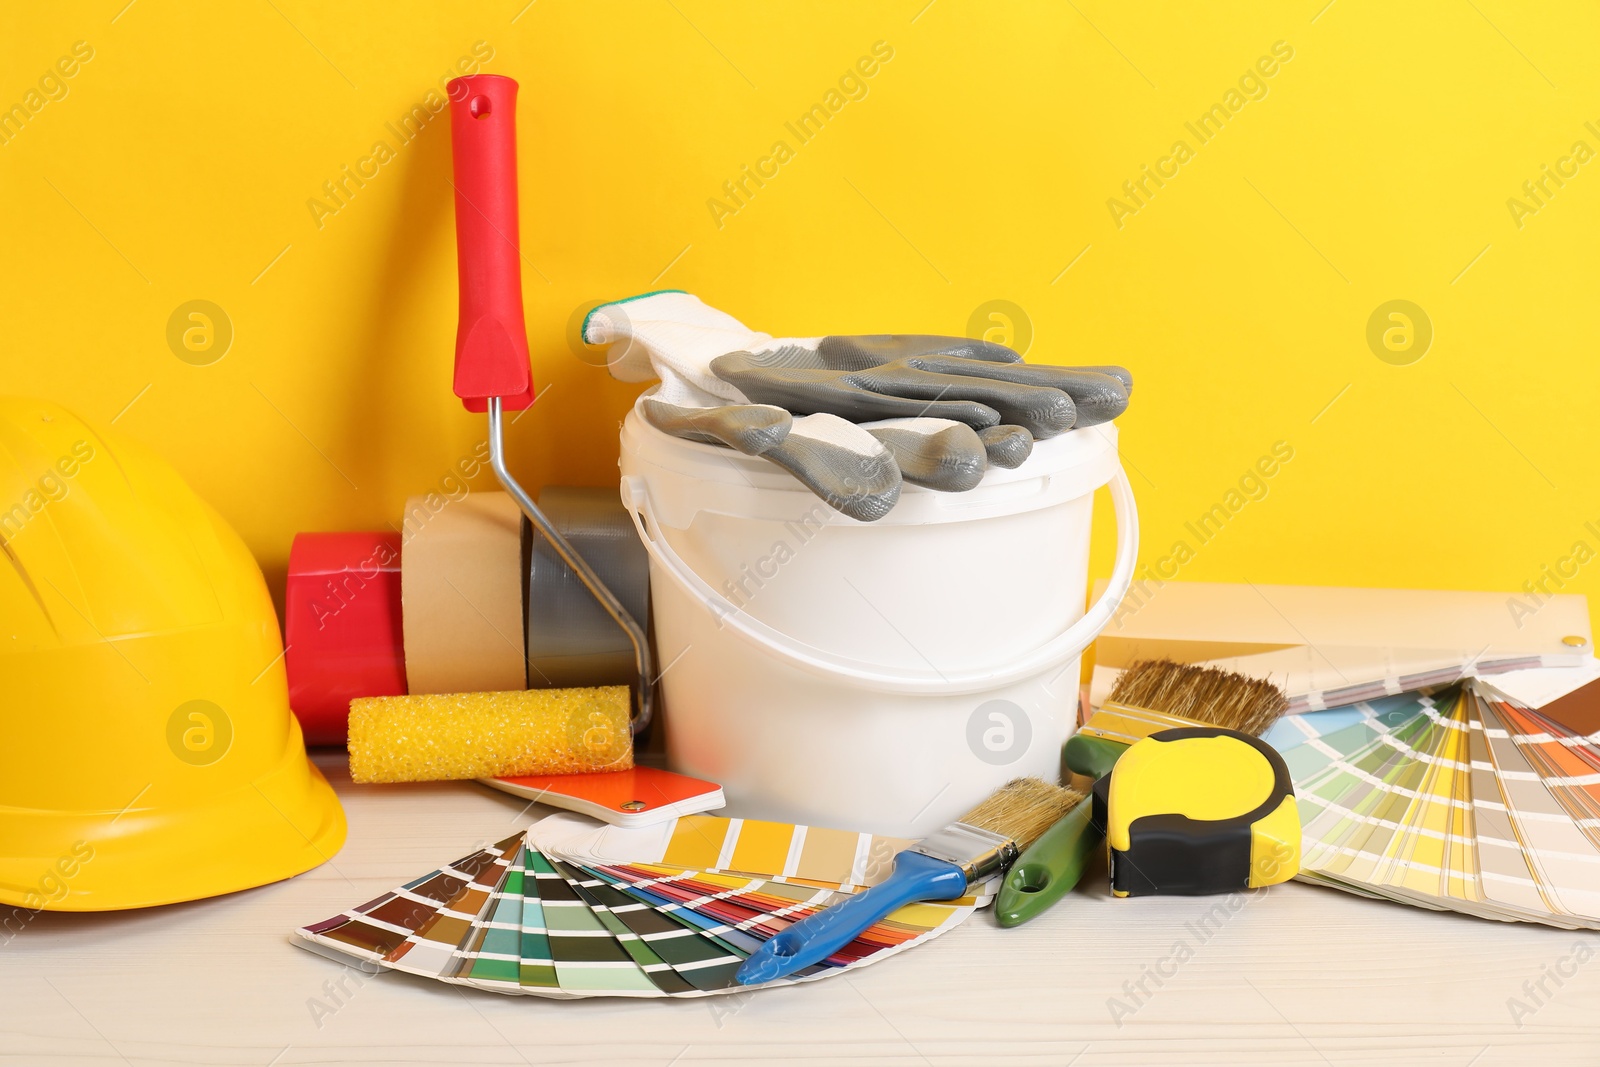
x=1091, y=756
x=1049, y=869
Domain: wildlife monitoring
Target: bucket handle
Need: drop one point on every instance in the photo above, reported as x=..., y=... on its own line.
x=1064, y=646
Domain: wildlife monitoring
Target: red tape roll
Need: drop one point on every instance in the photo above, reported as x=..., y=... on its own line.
x=342, y=628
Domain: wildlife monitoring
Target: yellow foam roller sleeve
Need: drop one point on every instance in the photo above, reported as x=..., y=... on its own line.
x=443, y=736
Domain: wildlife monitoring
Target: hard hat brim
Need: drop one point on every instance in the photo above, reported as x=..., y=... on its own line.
x=277, y=826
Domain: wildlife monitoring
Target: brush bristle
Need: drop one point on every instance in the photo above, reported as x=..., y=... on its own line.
x=1023, y=808
x=1203, y=694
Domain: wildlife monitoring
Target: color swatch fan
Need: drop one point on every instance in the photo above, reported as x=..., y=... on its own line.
x=576, y=908
x=1458, y=800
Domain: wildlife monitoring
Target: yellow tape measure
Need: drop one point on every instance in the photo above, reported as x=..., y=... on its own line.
x=1198, y=810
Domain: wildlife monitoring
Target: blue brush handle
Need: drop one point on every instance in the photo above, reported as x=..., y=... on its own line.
x=812, y=940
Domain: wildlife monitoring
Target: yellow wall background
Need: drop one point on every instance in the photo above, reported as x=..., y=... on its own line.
x=177, y=164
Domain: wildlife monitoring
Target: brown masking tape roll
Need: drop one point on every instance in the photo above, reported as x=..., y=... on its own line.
x=461, y=591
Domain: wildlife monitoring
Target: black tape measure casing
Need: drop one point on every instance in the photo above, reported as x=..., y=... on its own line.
x=1198, y=810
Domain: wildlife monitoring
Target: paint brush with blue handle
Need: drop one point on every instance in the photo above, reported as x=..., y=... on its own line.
x=983, y=842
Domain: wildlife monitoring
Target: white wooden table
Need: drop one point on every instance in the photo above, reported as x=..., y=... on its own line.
x=1298, y=975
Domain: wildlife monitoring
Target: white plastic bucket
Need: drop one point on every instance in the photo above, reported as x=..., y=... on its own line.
x=877, y=676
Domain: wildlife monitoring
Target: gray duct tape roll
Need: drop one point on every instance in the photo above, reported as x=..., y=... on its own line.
x=571, y=640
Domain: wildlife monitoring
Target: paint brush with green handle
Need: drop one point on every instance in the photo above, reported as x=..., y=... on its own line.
x=1149, y=697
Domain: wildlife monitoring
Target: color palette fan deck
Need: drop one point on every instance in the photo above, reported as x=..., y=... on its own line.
x=575, y=908
x=1457, y=800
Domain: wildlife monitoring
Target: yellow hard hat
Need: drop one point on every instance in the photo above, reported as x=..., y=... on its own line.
x=147, y=751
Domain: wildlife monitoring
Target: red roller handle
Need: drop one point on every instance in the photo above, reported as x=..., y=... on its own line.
x=492, y=336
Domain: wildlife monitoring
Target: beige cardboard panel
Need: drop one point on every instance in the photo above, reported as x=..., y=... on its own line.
x=461, y=589
x=1123, y=652
x=1312, y=639
x=1352, y=617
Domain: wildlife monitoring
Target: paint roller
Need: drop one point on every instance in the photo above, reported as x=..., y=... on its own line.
x=468, y=713
x=492, y=364
x=476, y=734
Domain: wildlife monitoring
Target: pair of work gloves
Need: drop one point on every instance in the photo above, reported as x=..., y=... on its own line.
x=850, y=417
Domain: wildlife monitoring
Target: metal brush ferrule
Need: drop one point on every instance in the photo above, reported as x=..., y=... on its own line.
x=979, y=853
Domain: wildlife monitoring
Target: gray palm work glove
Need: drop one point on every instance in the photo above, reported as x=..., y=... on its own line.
x=975, y=382
x=839, y=462
x=935, y=410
